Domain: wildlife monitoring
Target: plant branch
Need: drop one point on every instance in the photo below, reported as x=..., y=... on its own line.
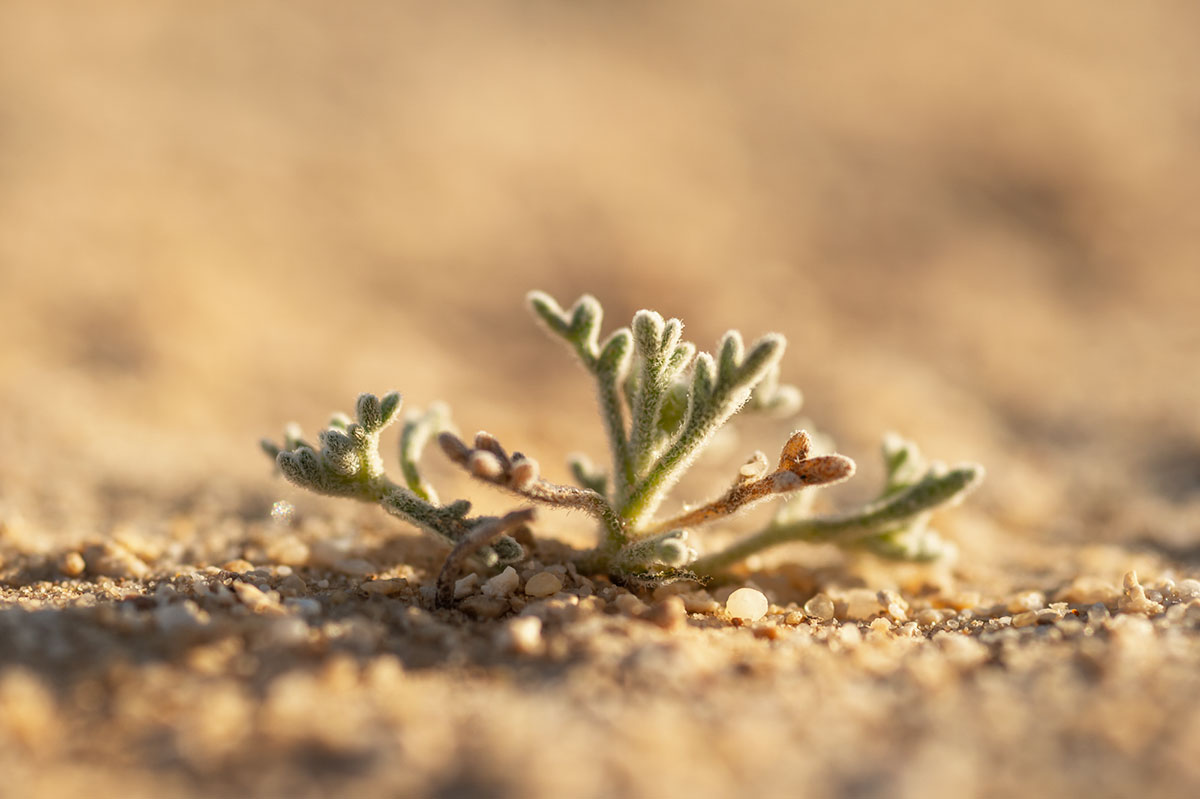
x=933, y=491
x=608, y=363
x=586, y=474
x=418, y=429
x=796, y=470
x=489, y=462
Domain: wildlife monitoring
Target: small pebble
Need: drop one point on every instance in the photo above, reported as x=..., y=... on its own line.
x=668, y=613
x=384, y=587
x=768, y=632
x=114, y=560
x=354, y=567
x=1048, y=615
x=700, y=602
x=254, y=598
x=629, y=604
x=1026, y=619
x=862, y=604
x=286, y=631
x=562, y=608
x=465, y=586
x=72, y=564
x=819, y=608
x=502, y=584
x=1135, y=599
x=480, y=606
x=543, y=584
x=1193, y=611
x=30, y=709
x=880, y=625
x=522, y=635
x=961, y=650
x=928, y=617
x=292, y=585
x=748, y=604
x=894, y=605
x=1187, y=590
x=1026, y=600
x=288, y=550
x=1087, y=591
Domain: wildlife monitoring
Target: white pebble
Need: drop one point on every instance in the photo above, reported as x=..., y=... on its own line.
x=502, y=584
x=543, y=584
x=747, y=603
x=466, y=586
x=1135, y=599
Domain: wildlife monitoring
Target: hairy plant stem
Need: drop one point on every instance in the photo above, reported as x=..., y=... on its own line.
x=490, y=462
x=648, y=493
x=614, y=426
x=878, y=517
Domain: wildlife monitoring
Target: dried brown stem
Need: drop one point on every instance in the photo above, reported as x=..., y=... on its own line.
x=488, y=461
x=472, y=542
x=795, y=471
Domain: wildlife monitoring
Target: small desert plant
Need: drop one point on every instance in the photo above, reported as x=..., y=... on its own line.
x=661, y=403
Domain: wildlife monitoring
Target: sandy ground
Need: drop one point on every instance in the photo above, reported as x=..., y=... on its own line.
x=975, y=225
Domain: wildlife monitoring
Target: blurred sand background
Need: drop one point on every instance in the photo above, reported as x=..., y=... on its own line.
x=975, y=223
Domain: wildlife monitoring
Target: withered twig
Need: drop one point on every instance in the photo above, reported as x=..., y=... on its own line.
x=488, y=461
x=471, y=543
x=795, y=471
